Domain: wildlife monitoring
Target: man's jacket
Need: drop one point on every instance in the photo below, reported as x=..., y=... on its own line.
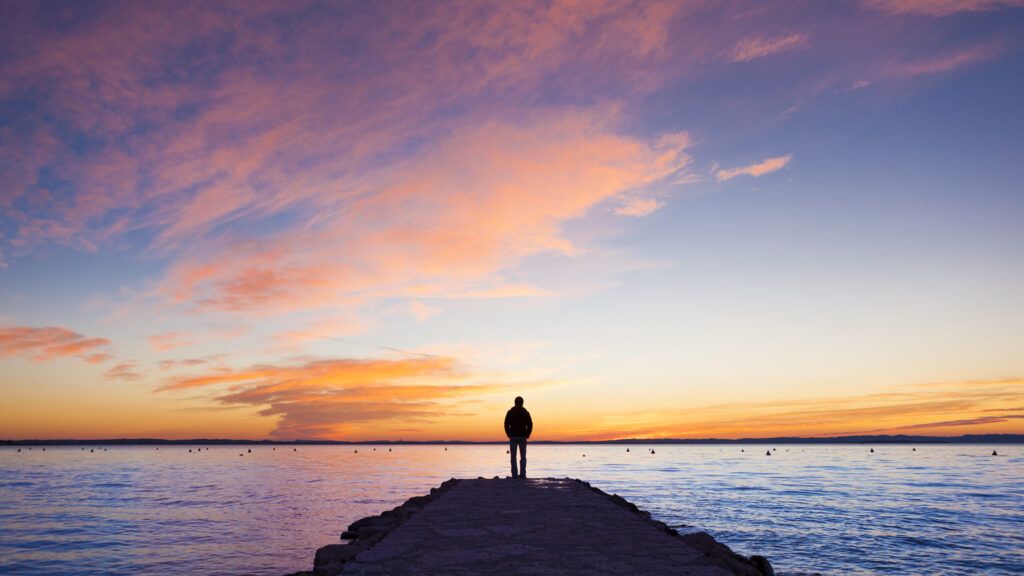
x=518, y=423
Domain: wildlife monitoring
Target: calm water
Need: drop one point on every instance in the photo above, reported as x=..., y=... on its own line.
x=828, y=509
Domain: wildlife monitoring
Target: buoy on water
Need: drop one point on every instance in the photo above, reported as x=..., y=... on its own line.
x=994, y=453
x=872, y=450
x=767, y=452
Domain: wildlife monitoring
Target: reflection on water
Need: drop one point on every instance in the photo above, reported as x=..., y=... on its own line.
x=809, y=508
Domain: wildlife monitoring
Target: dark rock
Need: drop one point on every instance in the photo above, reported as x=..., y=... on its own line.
x=763, y=565
x=722, y=555
x=331, y=558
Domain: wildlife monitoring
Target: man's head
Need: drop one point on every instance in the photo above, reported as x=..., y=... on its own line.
x=519, y=400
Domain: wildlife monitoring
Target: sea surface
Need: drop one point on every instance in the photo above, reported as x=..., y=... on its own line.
x=830, y=509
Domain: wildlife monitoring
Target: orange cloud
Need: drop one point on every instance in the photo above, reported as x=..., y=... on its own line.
x=329, y=398
x=945, y=408
x=766, y=166
x=51, y=342
x=756, y=47
x=345, y=372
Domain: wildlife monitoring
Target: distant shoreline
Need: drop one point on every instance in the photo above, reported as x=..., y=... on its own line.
x=875, y=439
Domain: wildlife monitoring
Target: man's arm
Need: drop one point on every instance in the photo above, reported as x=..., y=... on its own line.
x=529, y=425
x=507, y=423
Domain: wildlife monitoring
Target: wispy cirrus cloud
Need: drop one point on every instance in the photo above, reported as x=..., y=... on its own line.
x=939, y=7
x=943, y=407
x=193, y=122
x=174, y=363
x=52, y=342
x=124, y=371
x=766, y=166
x=169, y=341
x=466, y=209
x=950, y=60
x=756, y=47
x=983, y=420
x=639, y=207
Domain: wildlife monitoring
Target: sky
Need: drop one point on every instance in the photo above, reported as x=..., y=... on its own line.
x=385, y=220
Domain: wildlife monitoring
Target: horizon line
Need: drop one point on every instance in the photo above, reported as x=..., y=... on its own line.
x=854, y=438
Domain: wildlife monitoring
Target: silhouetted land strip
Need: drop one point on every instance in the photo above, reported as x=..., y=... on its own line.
x=513, y=526
x=872, y=439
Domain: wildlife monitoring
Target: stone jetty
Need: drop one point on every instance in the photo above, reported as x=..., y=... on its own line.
x=535, y=526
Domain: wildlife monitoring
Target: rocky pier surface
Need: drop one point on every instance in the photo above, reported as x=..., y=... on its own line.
x=535, y=526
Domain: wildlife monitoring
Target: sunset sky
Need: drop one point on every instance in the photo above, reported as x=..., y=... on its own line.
x=384, y=220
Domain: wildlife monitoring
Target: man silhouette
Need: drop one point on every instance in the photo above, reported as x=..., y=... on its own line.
x=518, y=427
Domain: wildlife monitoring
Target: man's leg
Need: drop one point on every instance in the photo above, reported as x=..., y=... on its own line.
x=512, y=452
x=522, y=457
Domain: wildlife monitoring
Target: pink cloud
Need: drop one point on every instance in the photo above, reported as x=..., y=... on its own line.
x=766, y=166
x=169, y=341
x=949, y=61
x=49, y=343
x=470, y=206
x=756, y=47
x=279, y=172
x=639, y=207
x=268, y=133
